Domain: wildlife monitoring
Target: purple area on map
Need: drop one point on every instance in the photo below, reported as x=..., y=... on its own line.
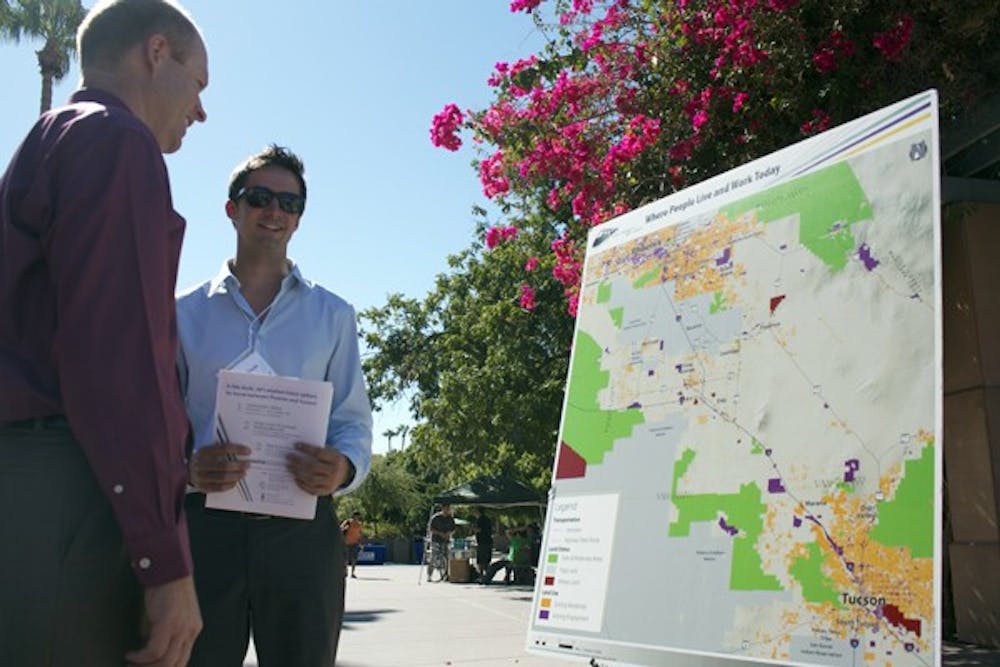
x=637, y=404
x=908, y=646
x=783, y=246
x=679, y=367
x=661, y=346
x=726, y=527
x=850, y=567
x=660, y=252
x=796, y=521
x=853, y=465
x=681, y=400
x=726, y=255
x=543, y=613
x=872, y=643
x=865, y=255
x=651, y=373
x=774, y=486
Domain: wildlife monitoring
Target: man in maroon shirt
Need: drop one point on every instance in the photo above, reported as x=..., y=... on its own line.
x=95, y=567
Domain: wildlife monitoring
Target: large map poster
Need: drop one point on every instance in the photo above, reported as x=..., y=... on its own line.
x=750, y=449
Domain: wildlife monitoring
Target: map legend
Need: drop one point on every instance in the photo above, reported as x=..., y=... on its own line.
x=578, y=560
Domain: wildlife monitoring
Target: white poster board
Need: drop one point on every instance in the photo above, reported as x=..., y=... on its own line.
x=750, y=447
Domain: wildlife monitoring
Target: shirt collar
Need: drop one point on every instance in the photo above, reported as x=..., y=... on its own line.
x=100, y=96
x=224, y=280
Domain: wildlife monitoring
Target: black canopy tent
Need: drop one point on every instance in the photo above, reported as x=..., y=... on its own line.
x=491, y=491
x=488, y=491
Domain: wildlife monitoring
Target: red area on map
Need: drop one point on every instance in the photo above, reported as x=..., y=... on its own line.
x=570, y=464
x=775, y=300
x=896, y=617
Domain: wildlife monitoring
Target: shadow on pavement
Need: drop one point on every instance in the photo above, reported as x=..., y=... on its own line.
x=364, y=616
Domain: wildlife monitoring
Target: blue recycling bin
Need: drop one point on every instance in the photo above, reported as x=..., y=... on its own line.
x=418, y=550
x=372, y=554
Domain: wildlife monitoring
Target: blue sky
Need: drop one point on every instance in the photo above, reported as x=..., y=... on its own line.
x=352, y=88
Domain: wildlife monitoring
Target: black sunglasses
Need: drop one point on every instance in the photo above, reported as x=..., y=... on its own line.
x=260, y=197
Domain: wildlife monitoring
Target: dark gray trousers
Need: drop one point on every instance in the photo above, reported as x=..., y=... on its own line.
x=67, y=594
x=281, y=579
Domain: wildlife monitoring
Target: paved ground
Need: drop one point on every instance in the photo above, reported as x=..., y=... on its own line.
x=391, y=619
x=394, y=618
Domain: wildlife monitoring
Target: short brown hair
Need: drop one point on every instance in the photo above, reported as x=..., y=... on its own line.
x=112, y=27
x=272, y=156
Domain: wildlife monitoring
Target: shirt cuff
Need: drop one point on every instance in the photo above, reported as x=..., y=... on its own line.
x=351, y=473
x=161, y=558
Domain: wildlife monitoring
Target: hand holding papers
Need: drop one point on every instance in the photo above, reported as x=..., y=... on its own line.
x=269, y=415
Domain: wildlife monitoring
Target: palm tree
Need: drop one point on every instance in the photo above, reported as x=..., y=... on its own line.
x=55, y=22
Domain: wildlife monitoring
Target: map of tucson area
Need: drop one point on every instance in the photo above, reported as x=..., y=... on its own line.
x=758, y=382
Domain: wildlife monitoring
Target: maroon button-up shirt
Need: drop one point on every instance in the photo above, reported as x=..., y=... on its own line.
x=89, y=245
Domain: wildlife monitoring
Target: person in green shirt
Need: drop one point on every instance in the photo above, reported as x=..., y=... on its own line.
x=518, y=555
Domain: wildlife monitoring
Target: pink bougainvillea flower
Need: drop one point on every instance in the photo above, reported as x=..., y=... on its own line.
x=700, y=118
x=497, y=235
x=832, y=51
x=492, y=176
x=492, y=237
x=444, y=128
x=527, y=297
x=893, y=41
x=819, y=123
x=531, y=264
x=574, y=303
x=524, y=5
x=739, y=100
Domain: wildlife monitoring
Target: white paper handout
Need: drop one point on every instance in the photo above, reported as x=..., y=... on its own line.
x=269, y=414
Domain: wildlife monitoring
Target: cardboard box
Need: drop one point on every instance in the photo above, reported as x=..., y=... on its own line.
x=459, y=571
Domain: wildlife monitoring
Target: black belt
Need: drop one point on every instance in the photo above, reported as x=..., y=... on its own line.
x=51, y=422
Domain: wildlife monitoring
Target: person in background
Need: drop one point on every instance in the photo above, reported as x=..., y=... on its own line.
x=535, y=540
x=440, y=527
x=483, y=528
x=353, y=530
x=281, y=578
x=95, y=567
x=518, y=555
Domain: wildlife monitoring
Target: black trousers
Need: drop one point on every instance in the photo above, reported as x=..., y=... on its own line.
x=281, y=579
x=67, y=593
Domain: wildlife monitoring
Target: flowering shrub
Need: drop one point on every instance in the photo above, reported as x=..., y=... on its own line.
x=634, y=99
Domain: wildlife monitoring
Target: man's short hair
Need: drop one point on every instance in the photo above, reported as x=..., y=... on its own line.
x=112, y=27
x=272, y=156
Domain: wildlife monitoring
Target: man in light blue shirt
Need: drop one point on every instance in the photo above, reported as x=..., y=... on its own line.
x=282, y=578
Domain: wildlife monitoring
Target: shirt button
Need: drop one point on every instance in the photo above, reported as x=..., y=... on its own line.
x=119, y=489
x=144, y=563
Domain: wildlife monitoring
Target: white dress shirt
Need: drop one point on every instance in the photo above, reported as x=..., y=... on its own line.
x=306, y=332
